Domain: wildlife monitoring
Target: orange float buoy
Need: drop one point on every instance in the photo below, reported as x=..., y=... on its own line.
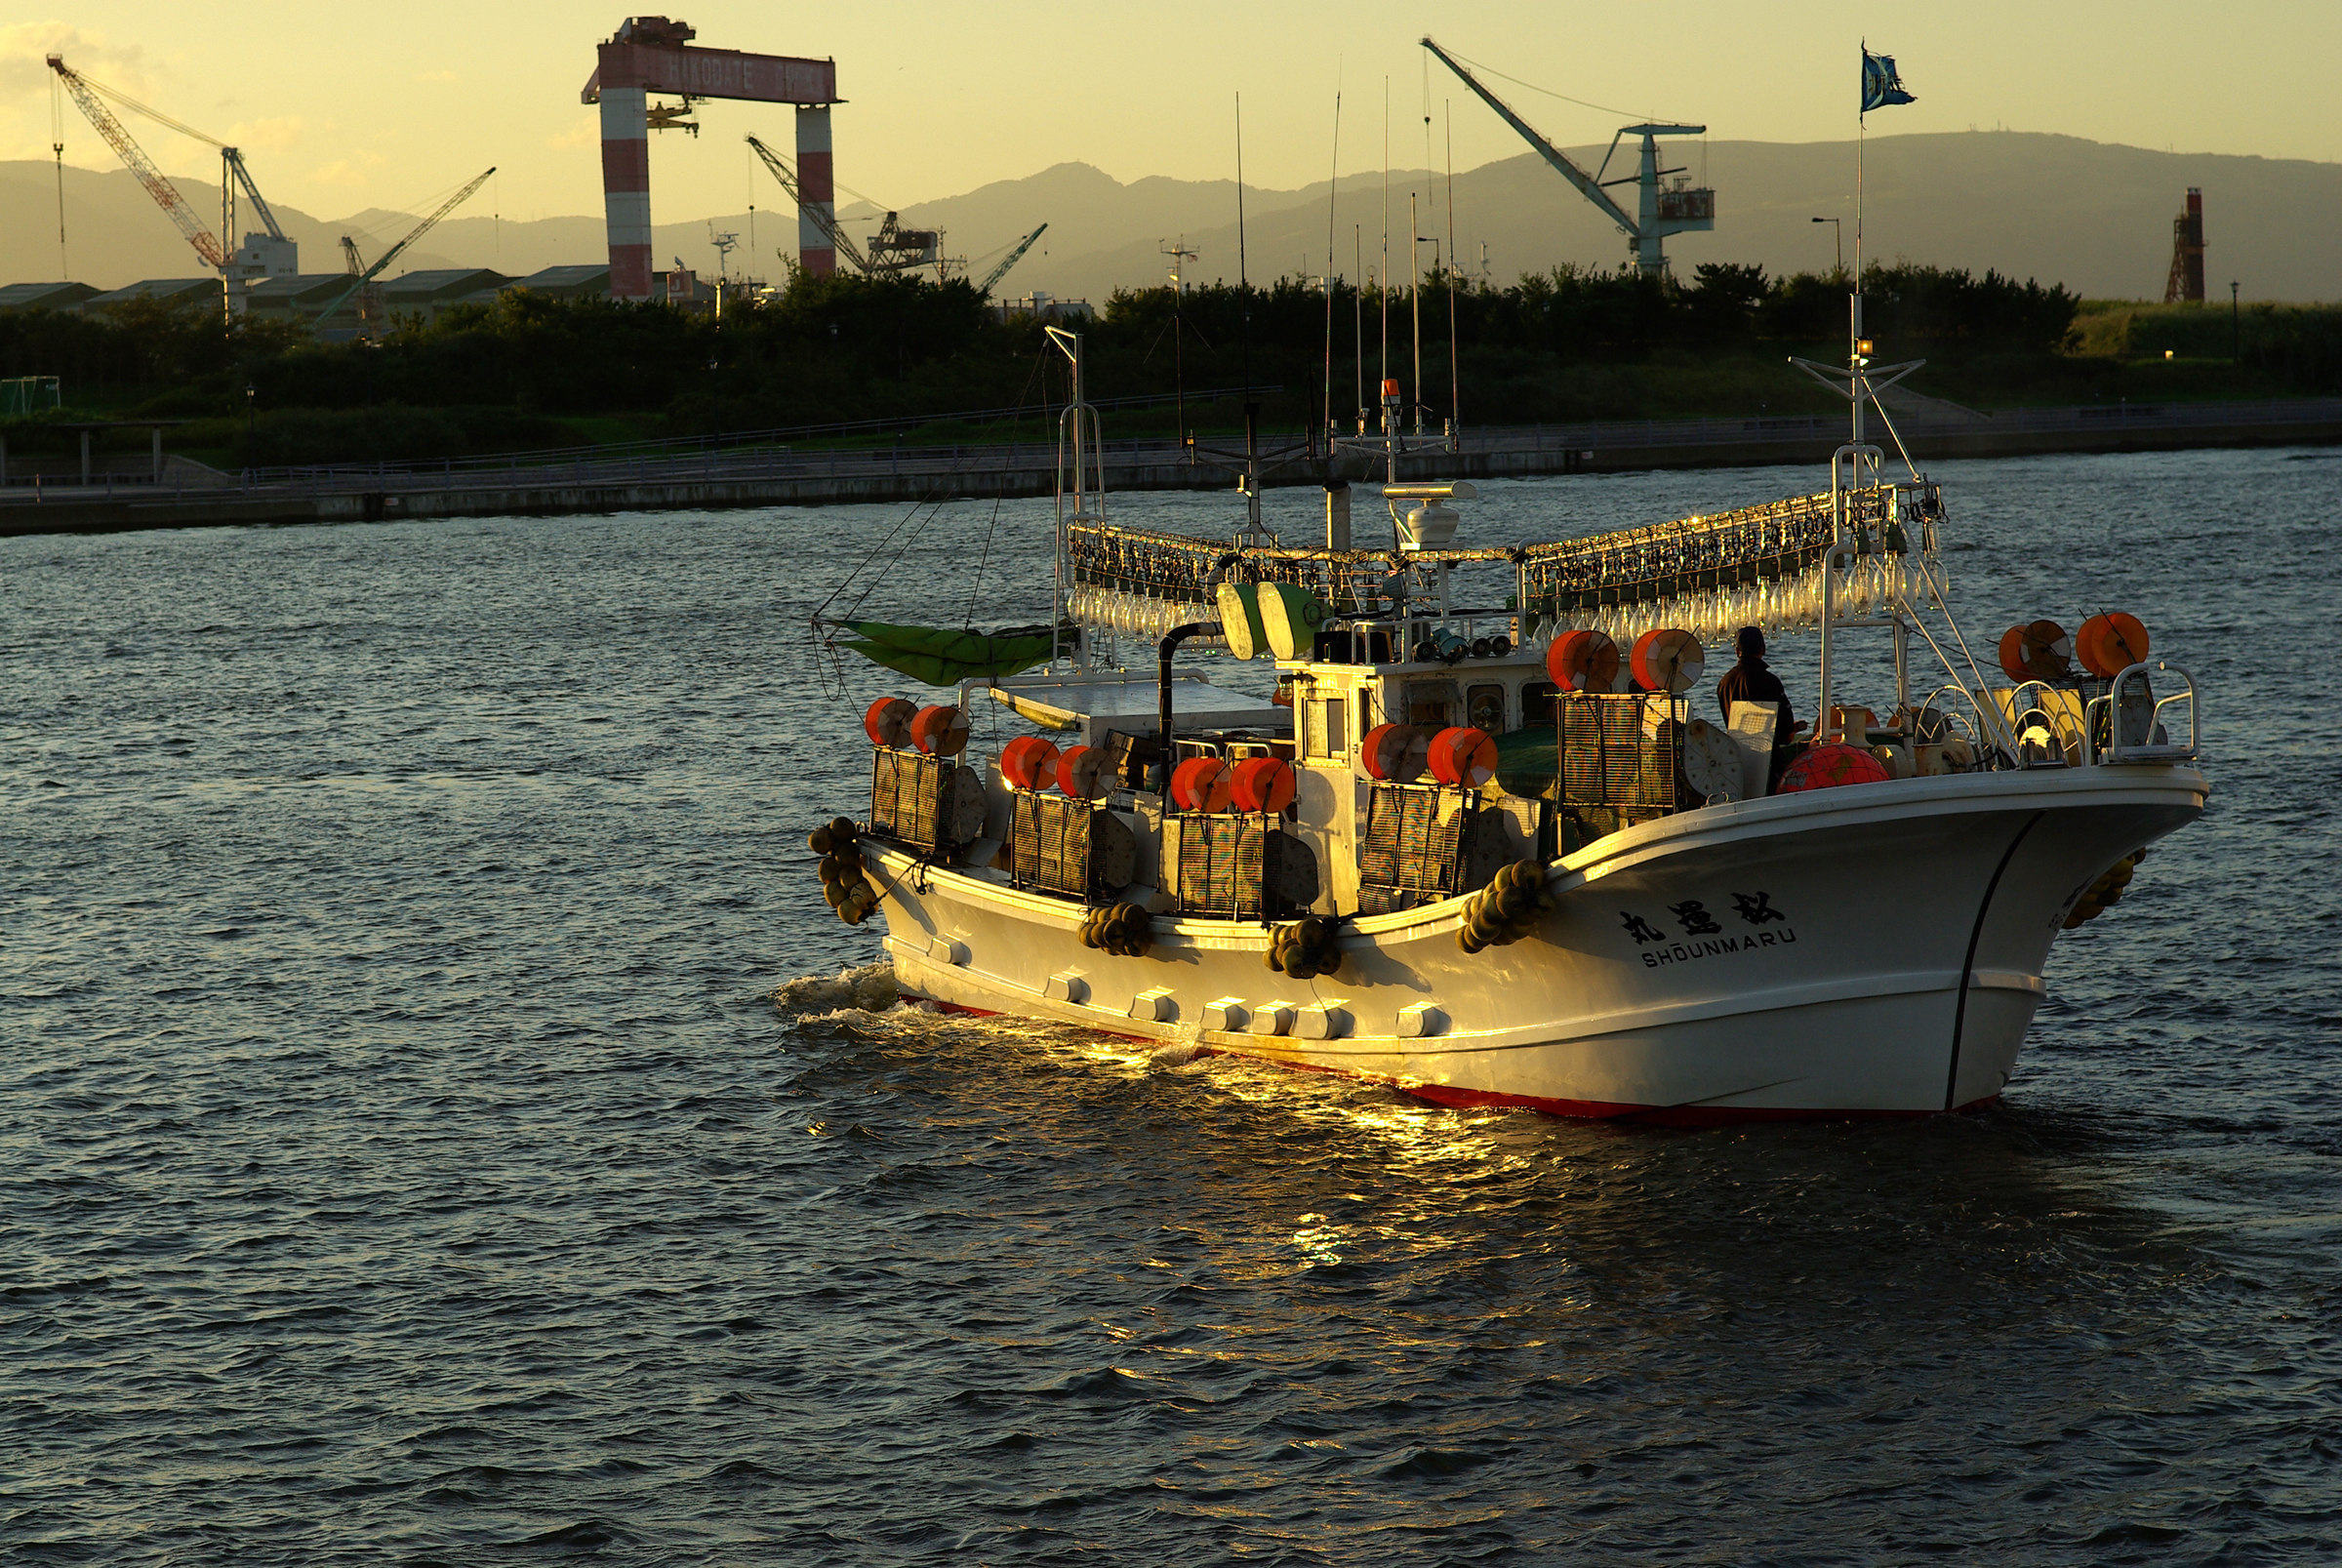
x=1081, y=773
x=2109, y=644
x=1463, y=756
x=1264, y=784
x=887, y=721
x=1582, y=661
x=1202, y=783
x=940, y=731
x=1029, y=762
x=1668, y=660
x=1395, y=753
x=2012, y=653
x=1212, y=786
x=1558, y=656
x=1828, y=767
x=2085, y=644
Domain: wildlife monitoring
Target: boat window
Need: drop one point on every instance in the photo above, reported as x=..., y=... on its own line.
x=1537, y=703
x=1327, y=731
x=1484, y=708
x=1432, y=704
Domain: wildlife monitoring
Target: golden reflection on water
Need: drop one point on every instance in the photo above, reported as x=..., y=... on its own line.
x=1291, y=1173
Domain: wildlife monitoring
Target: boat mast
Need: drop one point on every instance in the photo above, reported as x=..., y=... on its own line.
x=1078, y=434
x=1415, y=301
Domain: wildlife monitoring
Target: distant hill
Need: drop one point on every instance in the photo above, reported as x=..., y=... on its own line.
x=2094, y=216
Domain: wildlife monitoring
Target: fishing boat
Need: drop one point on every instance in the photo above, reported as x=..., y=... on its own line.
x=1485, y=844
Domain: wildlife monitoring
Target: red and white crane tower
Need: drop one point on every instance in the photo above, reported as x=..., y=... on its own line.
x=653, y=55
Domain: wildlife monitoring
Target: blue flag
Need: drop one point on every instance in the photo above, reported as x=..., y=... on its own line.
x=1880, y=86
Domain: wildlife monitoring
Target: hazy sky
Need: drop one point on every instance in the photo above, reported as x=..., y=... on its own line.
x=343, y=107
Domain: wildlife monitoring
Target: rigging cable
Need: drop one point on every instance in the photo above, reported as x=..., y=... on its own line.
x=982, y=560
x=1547, y=90
x=1244, y=284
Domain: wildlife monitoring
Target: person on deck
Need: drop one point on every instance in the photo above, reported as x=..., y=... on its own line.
x=1752, y=680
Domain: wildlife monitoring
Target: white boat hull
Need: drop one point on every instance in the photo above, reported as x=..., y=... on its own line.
x=1875, y=948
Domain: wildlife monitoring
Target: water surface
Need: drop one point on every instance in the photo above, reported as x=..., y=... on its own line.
x=435, y=1129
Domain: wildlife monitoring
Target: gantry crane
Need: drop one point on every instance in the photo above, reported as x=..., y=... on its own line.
x=89, y=95
x=1660, y=212
x=366, y=278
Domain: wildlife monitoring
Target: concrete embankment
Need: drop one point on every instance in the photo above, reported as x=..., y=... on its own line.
x=782, y=478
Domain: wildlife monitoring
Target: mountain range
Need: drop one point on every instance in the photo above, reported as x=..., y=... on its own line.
x=2095, y=216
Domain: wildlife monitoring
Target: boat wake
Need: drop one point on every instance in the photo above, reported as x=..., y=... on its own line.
x=870, y=989
x=1186, y=1051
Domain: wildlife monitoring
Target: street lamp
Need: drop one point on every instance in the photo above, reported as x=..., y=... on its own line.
x=1838, y=225
x=250, y=394
x=2236, y=326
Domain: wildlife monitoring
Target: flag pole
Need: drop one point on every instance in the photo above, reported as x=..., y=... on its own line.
x=1854, y=310
x=1854, y=299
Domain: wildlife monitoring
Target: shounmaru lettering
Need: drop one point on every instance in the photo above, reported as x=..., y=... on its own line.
x=1683, y=952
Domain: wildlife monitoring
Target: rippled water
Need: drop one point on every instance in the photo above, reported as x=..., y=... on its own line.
x=429, y=1134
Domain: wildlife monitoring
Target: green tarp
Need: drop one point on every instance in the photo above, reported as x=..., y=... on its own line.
x=939, y=656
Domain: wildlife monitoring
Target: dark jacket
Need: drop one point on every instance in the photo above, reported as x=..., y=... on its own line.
x=1752, y=680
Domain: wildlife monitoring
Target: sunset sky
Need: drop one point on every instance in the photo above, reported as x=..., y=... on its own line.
x=339, y=110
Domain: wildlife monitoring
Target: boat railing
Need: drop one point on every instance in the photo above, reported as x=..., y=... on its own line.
x=2040, y=705
x=2132, y=724
x=1987, y=729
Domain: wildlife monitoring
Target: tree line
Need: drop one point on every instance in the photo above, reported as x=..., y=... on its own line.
x=1553, y=345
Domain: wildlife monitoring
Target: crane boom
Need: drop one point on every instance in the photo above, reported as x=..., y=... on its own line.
x=391, y=254
x=822, y=221
x=236, y=161
x=1561, y=161
x=1013, y=257
x=166, y=195
x=1673, y=211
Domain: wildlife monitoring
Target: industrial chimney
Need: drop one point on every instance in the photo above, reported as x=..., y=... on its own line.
x=2187, y=252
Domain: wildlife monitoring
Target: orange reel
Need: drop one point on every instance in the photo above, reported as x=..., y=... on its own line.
x=1029, y=762
x=1463, y=756
x=1264, y=784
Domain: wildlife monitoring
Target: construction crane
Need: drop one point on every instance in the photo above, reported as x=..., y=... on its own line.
x=370, y=295
x=816, y=212
x=166, y=195
x=234, y=160
x=1675, y=209
x=1011, y=260
x=368, y=276
x=257, y=260
x=893, y=249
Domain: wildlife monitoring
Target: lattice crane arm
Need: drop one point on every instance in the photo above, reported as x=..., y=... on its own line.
x=1012, y=258
x=1588, y=185
x=829, y=226
x=166, y=195
x=391, y=254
